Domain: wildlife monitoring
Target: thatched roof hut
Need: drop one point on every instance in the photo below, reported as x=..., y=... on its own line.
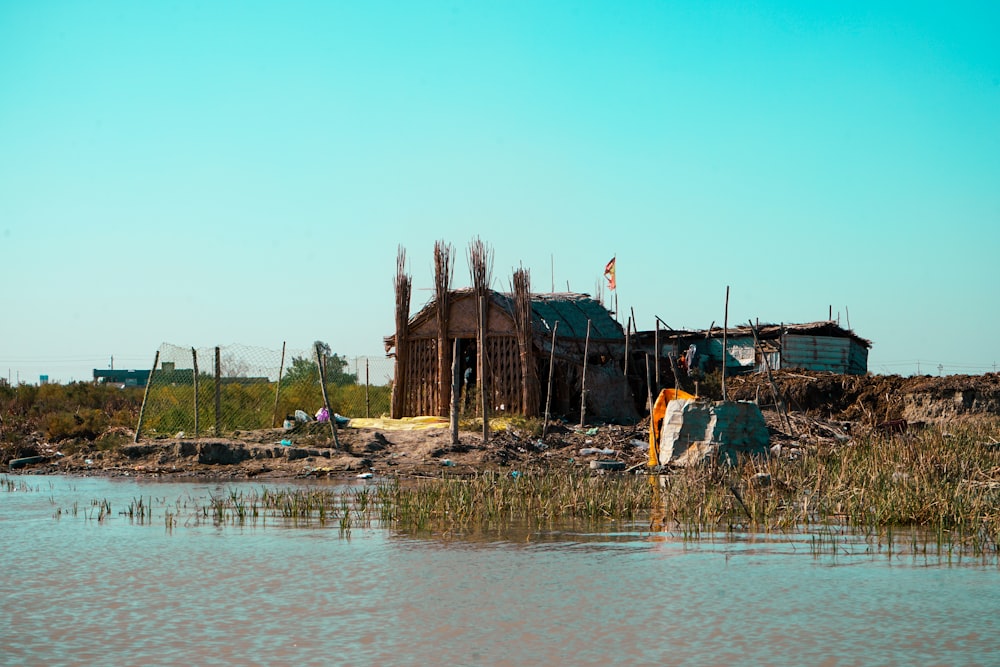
x=516, y=349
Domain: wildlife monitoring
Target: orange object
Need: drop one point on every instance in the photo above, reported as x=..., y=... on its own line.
x=656, y=420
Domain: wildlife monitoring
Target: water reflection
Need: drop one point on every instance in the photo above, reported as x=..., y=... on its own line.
x=121, y=592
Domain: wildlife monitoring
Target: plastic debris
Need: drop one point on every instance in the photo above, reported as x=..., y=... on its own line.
x=365, y=475
x=587, y=451
x=301, y=416
x=323, y=415
x=515, y=473
x=607, y=465
x=286, y=443
x=448, y=462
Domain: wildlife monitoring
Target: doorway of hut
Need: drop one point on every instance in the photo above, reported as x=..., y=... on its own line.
x=467, y=362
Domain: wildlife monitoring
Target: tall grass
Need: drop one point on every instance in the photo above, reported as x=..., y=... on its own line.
x=928, y=492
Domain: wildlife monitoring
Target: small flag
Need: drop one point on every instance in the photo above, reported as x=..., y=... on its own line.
x=609, y=273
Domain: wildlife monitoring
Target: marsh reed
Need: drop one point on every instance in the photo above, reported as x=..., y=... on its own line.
x=928, y=492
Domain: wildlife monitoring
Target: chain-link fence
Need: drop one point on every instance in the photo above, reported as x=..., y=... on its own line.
x=218, y=390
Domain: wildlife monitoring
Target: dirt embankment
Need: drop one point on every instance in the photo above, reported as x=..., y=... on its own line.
x=823, y=407
x=871, y=400
x=308, y=453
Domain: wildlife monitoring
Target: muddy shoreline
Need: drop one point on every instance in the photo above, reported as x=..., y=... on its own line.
x=824, y=408
x=261, y=454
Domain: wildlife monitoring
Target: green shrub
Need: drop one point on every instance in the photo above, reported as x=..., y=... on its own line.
x=86, y=424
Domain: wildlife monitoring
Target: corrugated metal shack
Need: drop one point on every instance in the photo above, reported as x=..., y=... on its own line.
x=508, y=390
x=817, y=346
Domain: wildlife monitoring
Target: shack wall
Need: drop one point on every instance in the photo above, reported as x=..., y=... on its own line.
x=824, y=353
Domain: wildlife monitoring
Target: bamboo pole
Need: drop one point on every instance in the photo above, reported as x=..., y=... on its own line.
x=321, y=363
x=218, y=392
x=194, y=364
x=277, y=386
x=548, y=393
x=456, y=391
x=725, y=341
x=145, y=397
x=583, y=379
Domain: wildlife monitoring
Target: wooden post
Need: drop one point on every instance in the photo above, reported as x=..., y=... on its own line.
x=218, y=392
x=628, y=337
x=656, y=364
x=456, y=391
x=778, y=399
x=548, y=393
x=368, y=402
x=194, y=364
x=649, y=390
x=277, y=386
x=725, y=331
x=482, y=369
x=145, y=397
x=321, y=363
x=583, y=379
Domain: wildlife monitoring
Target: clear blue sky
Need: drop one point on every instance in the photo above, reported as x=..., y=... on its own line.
x=206, y=173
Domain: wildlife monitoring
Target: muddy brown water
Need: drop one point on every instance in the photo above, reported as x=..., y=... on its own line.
x=79, y=590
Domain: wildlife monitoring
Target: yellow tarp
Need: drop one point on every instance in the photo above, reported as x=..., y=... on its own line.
x=404, y=424
x=656, y=420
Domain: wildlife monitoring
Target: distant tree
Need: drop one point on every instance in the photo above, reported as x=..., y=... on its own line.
x=336, y=371
x=301, y=371
x=304, y=369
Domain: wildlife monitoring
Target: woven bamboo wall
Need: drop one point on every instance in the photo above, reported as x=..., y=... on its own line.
x=503, y=363
x=421, y=396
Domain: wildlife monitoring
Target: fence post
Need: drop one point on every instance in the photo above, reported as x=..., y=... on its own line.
x=277, y=386
x=194, y=363
x=145, y=395
x=368, y=402
x=218, y=392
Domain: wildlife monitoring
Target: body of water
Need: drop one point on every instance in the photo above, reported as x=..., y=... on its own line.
x=78, y=588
